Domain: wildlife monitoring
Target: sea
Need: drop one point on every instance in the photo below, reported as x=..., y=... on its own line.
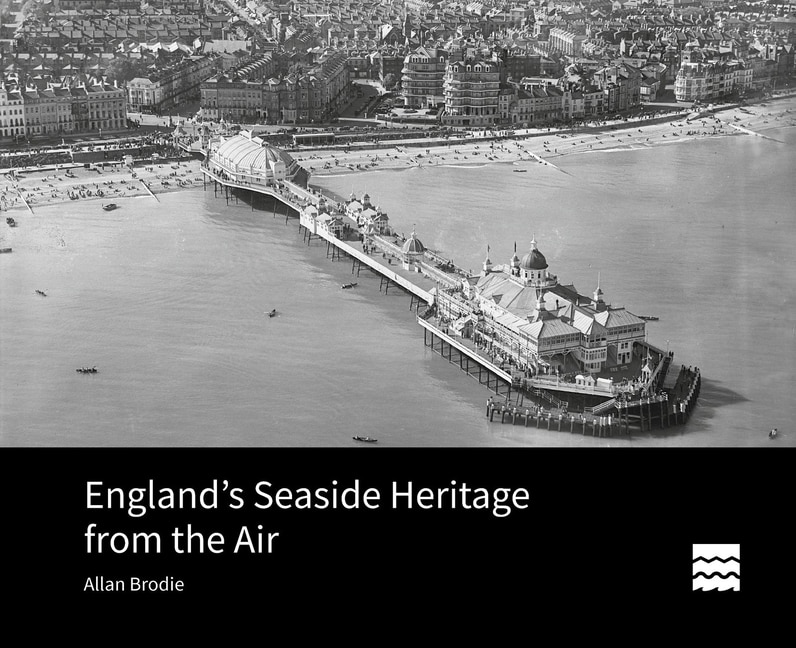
x=169, y=299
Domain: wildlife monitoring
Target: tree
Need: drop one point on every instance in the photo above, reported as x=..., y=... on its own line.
x=122, y=69
x=33, y=9
x=389, y=81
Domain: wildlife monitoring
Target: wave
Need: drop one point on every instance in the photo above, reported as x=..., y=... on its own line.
x=702, y=567
x=710, y=560
x=717, y=574
x=730, y=582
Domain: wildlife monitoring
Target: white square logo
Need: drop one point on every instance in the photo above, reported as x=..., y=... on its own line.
x=717, y=567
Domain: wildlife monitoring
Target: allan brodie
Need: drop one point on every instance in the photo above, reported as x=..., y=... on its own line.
x=132, y=584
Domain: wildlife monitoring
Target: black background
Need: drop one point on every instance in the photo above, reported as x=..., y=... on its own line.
x=608, y=529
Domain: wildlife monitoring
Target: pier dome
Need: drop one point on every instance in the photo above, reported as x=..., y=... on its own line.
x=413, y=245
x=534, y=260
x=243, y=152
x=252, y=161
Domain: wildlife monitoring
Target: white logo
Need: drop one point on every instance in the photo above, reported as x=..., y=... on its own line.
x=717, y=567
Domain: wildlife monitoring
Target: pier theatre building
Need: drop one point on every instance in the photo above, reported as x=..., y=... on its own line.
x=524, y=317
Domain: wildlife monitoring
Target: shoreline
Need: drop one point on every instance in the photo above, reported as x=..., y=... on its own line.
x=34, y=188
x=544, y=147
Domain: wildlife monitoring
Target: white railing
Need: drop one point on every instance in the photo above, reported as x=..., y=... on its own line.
x=561, y=385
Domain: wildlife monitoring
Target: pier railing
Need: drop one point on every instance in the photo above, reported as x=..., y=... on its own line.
x=466, y=350
x=287, y=196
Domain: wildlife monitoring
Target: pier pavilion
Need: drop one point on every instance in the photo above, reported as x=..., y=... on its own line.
x=547, y=331
x=251, y=161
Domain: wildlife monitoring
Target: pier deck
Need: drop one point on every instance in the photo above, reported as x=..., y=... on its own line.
x=386, y=271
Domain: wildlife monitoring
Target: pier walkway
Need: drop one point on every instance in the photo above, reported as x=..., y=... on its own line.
x=315, y=229
x=297, y=198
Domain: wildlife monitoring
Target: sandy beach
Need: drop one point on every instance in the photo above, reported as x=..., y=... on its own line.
x=544, y=147
x=31, y=188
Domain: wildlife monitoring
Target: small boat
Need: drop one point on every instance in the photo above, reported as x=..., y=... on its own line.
x=11, y=222
x=87, y=370
x=5, y=250
x=520, y=170
x=365, y=439
x=649, y=318
x=110, y=206
x=349, y=285
x=773, y=434
x=41, y=292
x=272, y=313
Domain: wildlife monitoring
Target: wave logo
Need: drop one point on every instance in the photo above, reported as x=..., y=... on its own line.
x=717, y=567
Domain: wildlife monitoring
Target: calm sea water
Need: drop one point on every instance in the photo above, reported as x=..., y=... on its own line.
x=169, y=300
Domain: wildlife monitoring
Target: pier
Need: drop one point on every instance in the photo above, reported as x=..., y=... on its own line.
x=659, y=397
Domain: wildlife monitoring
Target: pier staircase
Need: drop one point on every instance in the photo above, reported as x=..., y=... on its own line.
x=599, y=409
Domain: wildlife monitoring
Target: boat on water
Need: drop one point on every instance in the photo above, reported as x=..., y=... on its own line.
x=365, y=439
x=272, y=313
x=110, y=206
x=520, y=170
x=41, y=292
x=349, y=285
x=87, y=370
x=649, y=318
x=5, y=250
